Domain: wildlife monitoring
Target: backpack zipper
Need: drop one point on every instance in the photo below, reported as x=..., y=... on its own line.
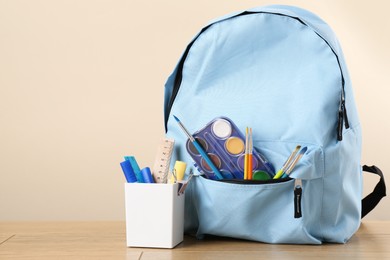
x=343, y=118
x=342, y=114
x=297, y=198
x=254, y=182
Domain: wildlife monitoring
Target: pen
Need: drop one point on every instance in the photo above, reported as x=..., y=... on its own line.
x=200, y=150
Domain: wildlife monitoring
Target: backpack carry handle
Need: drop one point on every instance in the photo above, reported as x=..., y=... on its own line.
x=372, y=199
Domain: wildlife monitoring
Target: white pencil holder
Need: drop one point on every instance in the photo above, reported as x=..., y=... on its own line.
x=154, y=215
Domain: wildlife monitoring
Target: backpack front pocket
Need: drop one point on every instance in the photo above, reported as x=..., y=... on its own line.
x=263, y=211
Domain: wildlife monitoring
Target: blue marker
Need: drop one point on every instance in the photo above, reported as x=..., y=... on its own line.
x=147, y=175
x=200, y=150
x=128, y=171
x=135, y=167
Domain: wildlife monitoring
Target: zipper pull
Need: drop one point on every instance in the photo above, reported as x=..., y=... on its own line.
x=297, y=198
x=345, y=115
x=343, y=118
x=340, y=124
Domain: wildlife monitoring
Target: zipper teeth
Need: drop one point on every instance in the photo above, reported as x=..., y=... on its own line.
x=254, y=182
x=179, y=75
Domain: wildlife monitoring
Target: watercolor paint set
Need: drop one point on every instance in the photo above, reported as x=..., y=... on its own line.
x=225, y=146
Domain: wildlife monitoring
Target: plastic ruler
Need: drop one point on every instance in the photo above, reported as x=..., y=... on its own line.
x=163, y=160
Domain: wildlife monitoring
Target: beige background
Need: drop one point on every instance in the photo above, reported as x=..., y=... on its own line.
x=81, y=85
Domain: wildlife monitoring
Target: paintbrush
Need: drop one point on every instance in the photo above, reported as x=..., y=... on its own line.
x=246, y=157
x=291, y=167
x=250, y=151
x=287, y=163
x=200, y=150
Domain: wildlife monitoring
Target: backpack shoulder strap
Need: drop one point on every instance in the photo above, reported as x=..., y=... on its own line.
x=372, y=199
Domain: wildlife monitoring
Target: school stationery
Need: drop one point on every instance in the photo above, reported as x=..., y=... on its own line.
x=136, y=169
x=147, y=175
x=246, y=156
x=250, y=157
x=205, y=157
x=294, y=162
x=185, y=183
x=154, y=215
x=280, y=70
x=155, y=211
x=162, y=161
x=128, y=171
x=180, y=169
x=287, y=163
x=225, y=146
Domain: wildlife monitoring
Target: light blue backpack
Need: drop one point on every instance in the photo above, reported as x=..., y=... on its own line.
x=281, y=71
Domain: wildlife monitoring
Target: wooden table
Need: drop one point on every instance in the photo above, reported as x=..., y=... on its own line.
x=106, y=240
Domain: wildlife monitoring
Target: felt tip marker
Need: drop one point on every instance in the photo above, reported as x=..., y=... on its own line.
x=128, y=172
